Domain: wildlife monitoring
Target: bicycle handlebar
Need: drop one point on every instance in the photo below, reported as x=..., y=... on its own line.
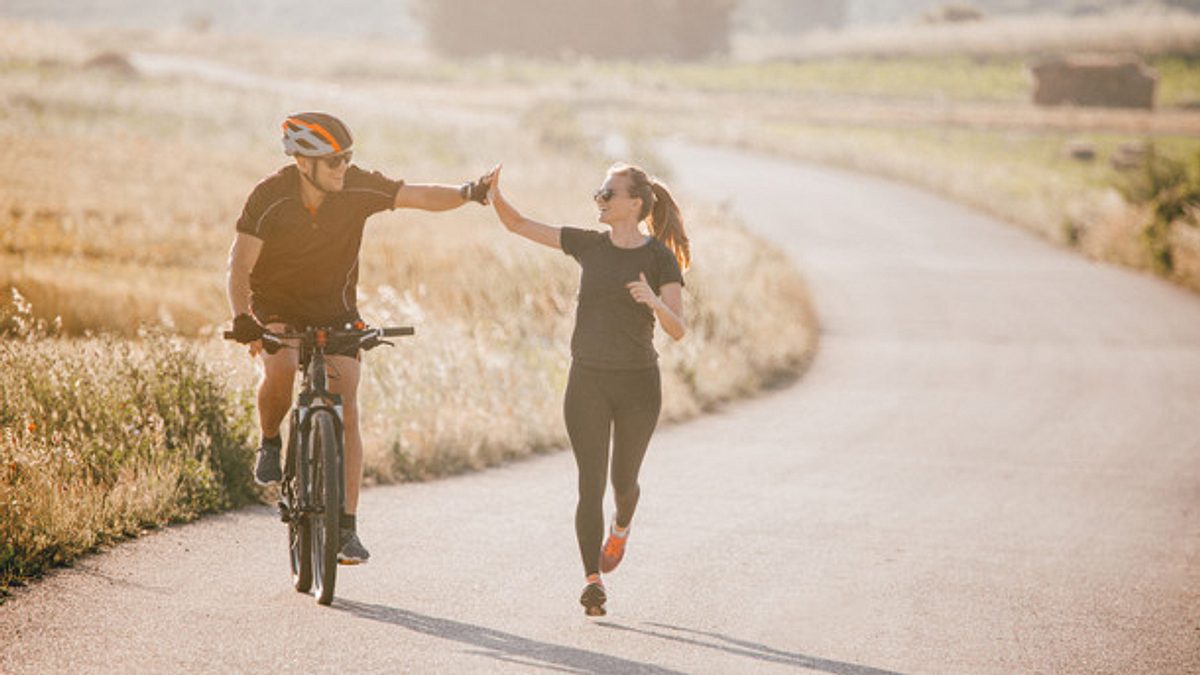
x=364, y=335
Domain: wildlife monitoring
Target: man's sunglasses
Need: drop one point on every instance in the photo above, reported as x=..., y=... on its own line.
x=336, y=161
x=604, y=195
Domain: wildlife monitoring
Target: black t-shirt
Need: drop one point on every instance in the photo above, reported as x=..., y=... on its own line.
x=612, y=330
x=307, y=272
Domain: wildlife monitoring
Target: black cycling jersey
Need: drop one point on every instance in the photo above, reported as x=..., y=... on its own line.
x=307, y=272
x=612, y=330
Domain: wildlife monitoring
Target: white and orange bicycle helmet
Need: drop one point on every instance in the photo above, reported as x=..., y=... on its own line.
x=313, y=134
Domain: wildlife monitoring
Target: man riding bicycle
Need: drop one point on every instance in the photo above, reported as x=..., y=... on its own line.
x=294, y=263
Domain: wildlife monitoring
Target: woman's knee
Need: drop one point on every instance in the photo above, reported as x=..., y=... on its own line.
x=627, y=491
x=591, y=488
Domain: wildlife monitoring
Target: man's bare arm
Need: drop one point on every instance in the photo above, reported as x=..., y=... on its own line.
x=242, y=256
x=429, y=197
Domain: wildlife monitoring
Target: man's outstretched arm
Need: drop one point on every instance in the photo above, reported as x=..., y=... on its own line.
x=430, y=197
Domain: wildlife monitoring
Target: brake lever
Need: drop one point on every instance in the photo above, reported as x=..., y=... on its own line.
x=375, y=342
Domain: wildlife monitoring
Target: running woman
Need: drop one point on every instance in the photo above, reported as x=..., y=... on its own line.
x=613, y=392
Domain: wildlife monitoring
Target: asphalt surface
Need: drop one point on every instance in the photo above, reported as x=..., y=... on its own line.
x=992, y=466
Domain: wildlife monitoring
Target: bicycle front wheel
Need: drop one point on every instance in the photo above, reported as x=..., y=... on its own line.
x=326, y=491
x=299, y=547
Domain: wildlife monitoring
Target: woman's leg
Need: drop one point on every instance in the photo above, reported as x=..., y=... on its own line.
x=588, y=416
x=635, y=417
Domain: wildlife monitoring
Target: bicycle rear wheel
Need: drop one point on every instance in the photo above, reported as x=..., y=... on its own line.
x=326, y=491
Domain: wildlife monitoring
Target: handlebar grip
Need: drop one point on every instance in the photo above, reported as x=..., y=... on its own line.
x=396, y=332
x=266, y=337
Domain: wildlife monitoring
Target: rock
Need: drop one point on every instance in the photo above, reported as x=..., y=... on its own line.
x=1081, y=150
x=1129, y=155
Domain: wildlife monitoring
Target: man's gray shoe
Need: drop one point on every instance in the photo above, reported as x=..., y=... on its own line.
x=353, y=552
x=266, y=468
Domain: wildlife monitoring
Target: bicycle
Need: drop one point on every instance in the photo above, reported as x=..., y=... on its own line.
x=312, y=492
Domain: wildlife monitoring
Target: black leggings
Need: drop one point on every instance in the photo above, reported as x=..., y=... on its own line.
x=623, y=405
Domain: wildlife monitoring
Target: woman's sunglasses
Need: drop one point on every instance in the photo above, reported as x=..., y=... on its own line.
x=604, y=195
x=336, y=161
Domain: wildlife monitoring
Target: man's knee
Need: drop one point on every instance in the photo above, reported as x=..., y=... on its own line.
x=343, y=375
x=277, y=377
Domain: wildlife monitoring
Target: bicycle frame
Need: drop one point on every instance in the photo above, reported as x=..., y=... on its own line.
x=313, y=397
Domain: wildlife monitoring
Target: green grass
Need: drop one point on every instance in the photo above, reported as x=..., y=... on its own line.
x=951, y=78
x=1029, y=158
x=994, y=79
x=1179, y=81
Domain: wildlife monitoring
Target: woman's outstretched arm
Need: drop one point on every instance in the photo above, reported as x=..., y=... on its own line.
x=544, y=234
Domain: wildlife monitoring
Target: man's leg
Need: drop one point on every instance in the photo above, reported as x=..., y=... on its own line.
x=343, y=375
x=274, y=401
x=275, y=388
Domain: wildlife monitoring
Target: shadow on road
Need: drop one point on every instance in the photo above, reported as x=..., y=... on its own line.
x=128, y=584
x=750, y=649
x=500, y=645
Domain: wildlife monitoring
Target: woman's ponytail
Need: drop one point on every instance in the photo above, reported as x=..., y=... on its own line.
x=659, y=210
x=666, y=224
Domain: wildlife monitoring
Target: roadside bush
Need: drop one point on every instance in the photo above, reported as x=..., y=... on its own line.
x=1171, y=190
x=101, y=438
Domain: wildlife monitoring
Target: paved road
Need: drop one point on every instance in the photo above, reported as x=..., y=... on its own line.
x=993, y=466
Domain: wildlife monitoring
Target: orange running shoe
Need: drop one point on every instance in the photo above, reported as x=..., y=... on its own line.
x=614, y=549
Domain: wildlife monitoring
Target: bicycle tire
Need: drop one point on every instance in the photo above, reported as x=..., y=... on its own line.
x=299, y=547
x=300, y=543
x=299, y=536
x=326, y=490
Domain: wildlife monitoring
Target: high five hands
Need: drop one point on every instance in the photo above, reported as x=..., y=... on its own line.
x=641, y=291
x=493, y=182
x=480, y=189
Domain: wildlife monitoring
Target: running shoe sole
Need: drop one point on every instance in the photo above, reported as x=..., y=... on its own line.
x=593, y=600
